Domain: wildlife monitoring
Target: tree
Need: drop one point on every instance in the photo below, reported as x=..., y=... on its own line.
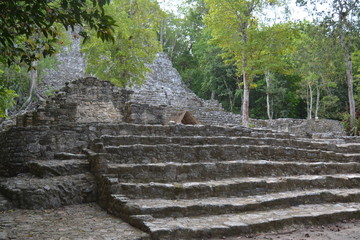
x=123, y=62
x=218, y=80
x=185, y=39
x=345, y=9
x=25, y=18
x=318, y=62
x=343, y=20
x=33, y=30
x=234, y=28
x=277, y=43
x=6, y=99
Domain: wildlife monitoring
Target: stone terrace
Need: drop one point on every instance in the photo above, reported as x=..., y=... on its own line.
x=181, y=182
x=92, y=143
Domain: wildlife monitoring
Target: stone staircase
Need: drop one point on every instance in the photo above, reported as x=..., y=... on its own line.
x=4, y=203
x=185, y=182
x=64, y=180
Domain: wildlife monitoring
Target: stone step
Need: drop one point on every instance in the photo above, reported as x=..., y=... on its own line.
x=205, y=227
x=4, y=203
x=68, y=156
x=233, y=187
x=349, y=147
x=212, y=140
x=181, y=172
x=51, y=168
x=28, y=192
x=187, y=130
x=139, y=153
x=159, y=208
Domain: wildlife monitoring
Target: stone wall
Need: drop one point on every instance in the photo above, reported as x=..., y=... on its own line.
x=83, y=100
x=22, y=144
x=92, y=100
x=70, y=66
x=321, y=128
x=19, y=145
x=162, y=95
x=164, y=86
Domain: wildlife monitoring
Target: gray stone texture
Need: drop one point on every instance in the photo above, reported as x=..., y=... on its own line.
x=76, y=222
x=321, y=128
x=181, y=182
x=70, y=66
x=28, y=192
x=93, y=141
x=162, y=96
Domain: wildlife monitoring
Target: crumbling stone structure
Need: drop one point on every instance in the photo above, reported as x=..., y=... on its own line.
x=164, y=91
x=94, y=142
x=320, y=128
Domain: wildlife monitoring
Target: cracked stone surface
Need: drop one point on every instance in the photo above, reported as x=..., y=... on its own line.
x=234, y=201
x=233, y=224
x=74, y=222
x=40, y=193
x=80, y=222
x=345, y=230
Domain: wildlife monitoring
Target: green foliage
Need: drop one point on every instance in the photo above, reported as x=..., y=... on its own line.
x=186, y=40
x=318, y=61
x=218, y=78
x=330, y=106
x=7, y=94
x=16, y=78
x=6, y=100
x=237, y=39
x=356, y=71
x=351, y=130
x=44, y=64
x=33, y=30
x=285, y=101
x=15, y=81
x=22, y=20
x=296, y=55
x=135, y=43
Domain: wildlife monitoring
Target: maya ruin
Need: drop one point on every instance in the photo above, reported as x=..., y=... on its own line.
x=176, y=166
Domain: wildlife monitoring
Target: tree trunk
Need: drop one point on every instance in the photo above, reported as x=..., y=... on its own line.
x=348, y=62
x=212, y=95
x=231, y=102
x=245, y=103
x=268, y=108
x=317, y=101
x=349, y=78
x=33, y=84
x=310, y=102
x=161, y=33
x=33, y=80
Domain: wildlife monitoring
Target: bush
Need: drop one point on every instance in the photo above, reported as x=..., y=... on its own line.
x=351, y=130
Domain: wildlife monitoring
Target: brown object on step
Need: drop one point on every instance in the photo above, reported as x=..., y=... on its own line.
x=184, y=117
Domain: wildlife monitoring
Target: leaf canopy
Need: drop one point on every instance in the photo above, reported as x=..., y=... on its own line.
x=22, y=19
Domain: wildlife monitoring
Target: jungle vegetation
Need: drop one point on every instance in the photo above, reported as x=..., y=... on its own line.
x=257, y=63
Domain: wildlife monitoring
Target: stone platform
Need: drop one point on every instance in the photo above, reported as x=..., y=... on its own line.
x=183, y=181
x=93, y=142
x=80, y=222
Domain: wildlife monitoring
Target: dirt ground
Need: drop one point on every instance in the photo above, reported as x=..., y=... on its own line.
x=90, y=222
x=345, y=230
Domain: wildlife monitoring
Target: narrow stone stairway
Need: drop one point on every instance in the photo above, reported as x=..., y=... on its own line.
x=4, y=203
x=192, y=182
x=64, y=180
